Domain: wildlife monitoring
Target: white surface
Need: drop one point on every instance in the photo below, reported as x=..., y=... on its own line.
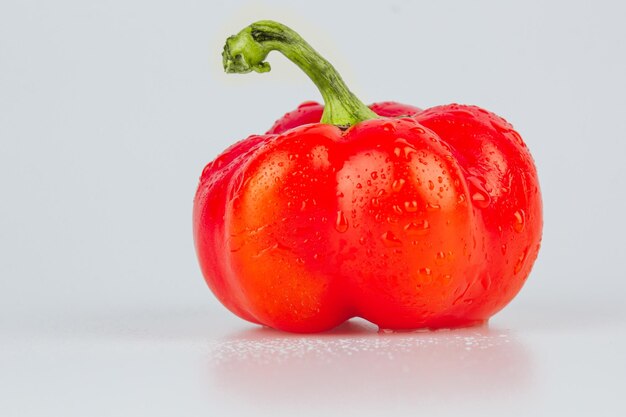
x=110, y=110
x=541, y=361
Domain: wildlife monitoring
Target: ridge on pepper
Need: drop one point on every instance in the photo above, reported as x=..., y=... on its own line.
x=405, y=217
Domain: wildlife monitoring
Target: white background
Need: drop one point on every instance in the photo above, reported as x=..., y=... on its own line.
x=109, y=111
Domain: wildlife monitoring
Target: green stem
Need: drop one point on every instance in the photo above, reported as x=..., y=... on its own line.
x=246, y=51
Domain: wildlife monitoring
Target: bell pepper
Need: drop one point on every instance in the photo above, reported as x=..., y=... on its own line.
x=407, y=218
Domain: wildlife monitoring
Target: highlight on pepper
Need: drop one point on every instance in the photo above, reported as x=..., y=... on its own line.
x=408, y=218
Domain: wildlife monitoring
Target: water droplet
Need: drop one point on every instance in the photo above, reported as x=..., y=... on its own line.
x=390, y=240
x=518, y=220
x=398, y=184
x=480, y=196
x=517, y=138
x=418, y=228
x=362, y=240
x=389, y=127
x=431, y=185
x=397, y=209
x=441, y=255
x=520, y=261
x=503, y=248
x=236, y=243
x=425, y=271
x=500, y=124
x=485, y=282
x=308, y=104
x=461, y=199
x=358, y=185
x=374, y=175
x=432, y=207
x=403, y=148
x=481, y=199
x=410, y=206
x=342, y=223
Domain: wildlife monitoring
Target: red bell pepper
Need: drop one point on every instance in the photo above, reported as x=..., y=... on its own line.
x=407, y=218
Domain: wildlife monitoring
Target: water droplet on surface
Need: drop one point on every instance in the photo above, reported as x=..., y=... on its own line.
x=403, y=148
x=390, y=240
x=307, y=104
x=500, y=124
x=485, y=282
x=432, y=207
x=342, y=223
x=358, y=185
x=398, y=184
x=431, y=185
x=362, y=240
x=520, y=261
x=481, y=199
x=441, y=255
x=397, y=209
x=374, y=175
x=418, y=228
x=479, y=195
x=410, y=206
x=389, y=127
x=503, y=248
x=236, y=243
x=517, y=138
x=518, y=220
x=425, y=271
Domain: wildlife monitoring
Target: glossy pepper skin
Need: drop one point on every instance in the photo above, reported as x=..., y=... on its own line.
x=407, y=218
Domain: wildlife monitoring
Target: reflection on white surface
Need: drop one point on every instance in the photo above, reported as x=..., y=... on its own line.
x=205, y=362
x=357, y=365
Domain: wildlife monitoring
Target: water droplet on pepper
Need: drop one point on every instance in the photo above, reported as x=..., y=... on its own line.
x=418, y=228
x=518, y=220
x=342, y=222
x=390, y=240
